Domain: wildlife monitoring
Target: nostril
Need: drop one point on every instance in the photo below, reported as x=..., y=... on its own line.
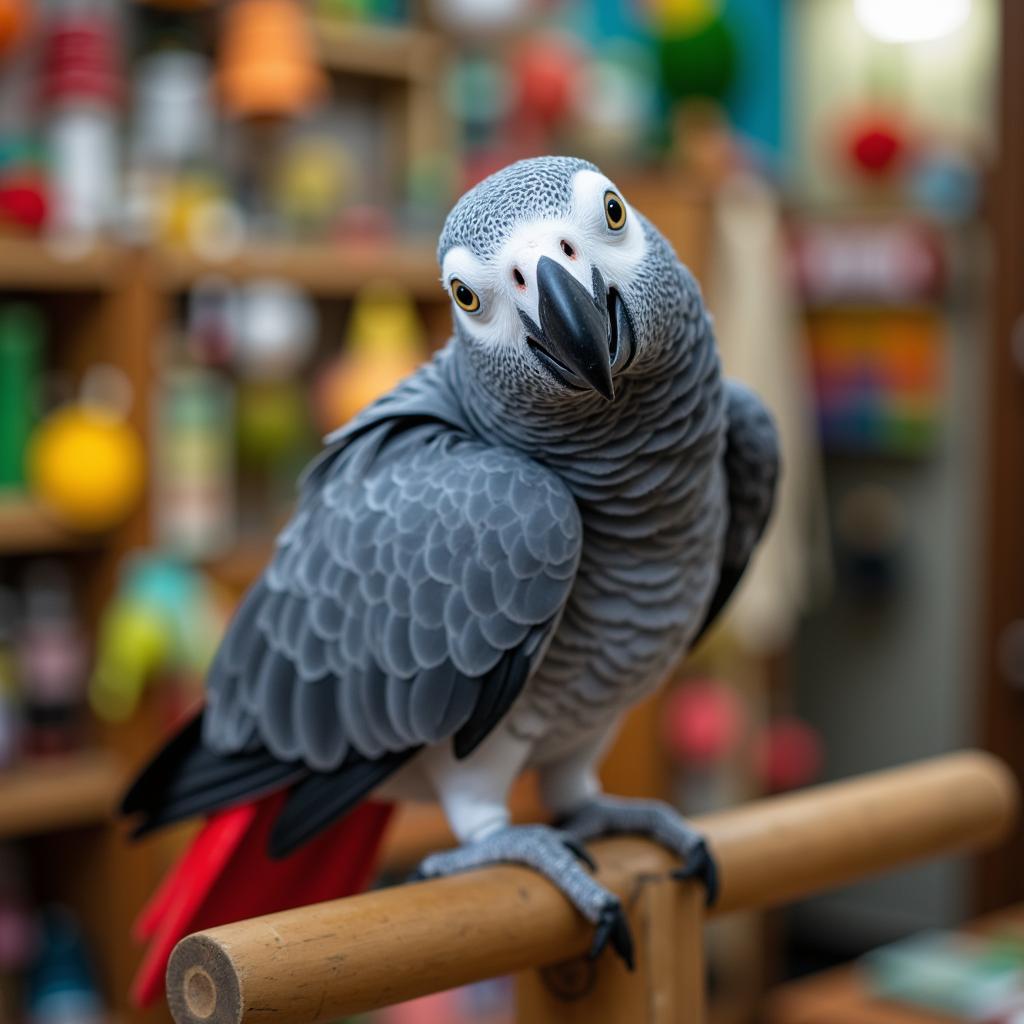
x=568, y=250
x=517, y=276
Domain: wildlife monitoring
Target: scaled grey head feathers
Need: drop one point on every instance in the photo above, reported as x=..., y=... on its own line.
x=560, y=290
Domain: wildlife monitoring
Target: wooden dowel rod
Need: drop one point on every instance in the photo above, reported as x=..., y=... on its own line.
x=348, y=956
x=783, y=848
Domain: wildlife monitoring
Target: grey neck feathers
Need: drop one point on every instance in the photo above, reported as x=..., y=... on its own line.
x=651, y=449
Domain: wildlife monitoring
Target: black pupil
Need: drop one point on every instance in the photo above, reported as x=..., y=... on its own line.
x=614, y=211
x=464, y=295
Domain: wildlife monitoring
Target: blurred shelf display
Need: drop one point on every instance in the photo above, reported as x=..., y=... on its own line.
x=31, y=264
x=324, y=270
x=376, y=50
x=58, y=793
x=25, y=528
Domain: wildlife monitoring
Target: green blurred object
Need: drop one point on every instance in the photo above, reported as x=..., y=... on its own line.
x=21, y=345
x=700, y=63
x=162, y=620
x=133, y=645
x=273, y=422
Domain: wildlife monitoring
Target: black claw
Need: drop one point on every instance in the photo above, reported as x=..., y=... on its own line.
x=580, y=852
x=613, y=926
x=622, y=940
x=700, y=864
x=417, y=875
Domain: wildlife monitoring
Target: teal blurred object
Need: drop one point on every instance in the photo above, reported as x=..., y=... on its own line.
x=478, y=93
x=363, y=10
x=964, y=976
x=21, y=347
x=60, y=986
x=947, y=183
x=755, y=100
x=163, y=618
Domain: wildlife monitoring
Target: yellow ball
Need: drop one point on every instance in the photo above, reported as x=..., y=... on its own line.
x=682, y=17
x=87, y=467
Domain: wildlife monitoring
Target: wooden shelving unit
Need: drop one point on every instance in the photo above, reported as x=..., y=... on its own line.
x=28, y=264
x=237, y=568
x=58, y=793
x=26, y=528
x=324, y=270
x=111, y=303
x=377, y=51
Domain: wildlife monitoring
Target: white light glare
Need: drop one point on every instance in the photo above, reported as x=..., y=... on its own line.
x=911, y=21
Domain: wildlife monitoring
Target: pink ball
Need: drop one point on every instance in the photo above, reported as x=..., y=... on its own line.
x=788, y=754
x=704, y=720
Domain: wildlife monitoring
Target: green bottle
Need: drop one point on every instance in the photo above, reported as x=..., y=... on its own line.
x=21, y=349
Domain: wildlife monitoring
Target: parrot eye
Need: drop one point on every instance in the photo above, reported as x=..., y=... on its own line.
x=614, y=211
x=464, y=296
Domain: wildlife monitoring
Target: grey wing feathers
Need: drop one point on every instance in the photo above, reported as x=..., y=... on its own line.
x=751, y=471
x=418, y=562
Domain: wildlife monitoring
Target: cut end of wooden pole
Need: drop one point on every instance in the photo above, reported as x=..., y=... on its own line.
x=202, y=983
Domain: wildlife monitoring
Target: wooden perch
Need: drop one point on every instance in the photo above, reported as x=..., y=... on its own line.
x=348, y=956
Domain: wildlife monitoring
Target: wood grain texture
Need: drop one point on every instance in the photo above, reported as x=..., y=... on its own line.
x=32, y=265
x=348, y=956
x=777, y=850
x=668, y=985
x=58, y=793
x=1000, y=712
x=27, y=528
x=325, y=270
x=399, y=52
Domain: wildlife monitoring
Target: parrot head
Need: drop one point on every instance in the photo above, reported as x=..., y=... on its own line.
x=560, y=290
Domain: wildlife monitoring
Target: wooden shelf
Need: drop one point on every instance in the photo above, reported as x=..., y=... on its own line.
x=322, y=269
x=31, y=264
x=238, y=568
x=58, y=793
x=396, y=52
x=25, y=528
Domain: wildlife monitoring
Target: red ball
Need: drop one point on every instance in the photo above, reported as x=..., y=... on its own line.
x=788, y=754
x=876, y=145
x=704, y=720
x=546, y=70
x=23, y=202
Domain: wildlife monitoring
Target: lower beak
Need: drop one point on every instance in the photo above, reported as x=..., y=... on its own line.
x=574, y=329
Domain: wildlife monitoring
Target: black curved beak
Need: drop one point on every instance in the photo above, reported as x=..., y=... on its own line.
x=574, y=328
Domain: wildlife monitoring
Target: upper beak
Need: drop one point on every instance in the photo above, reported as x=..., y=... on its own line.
x=574, y=328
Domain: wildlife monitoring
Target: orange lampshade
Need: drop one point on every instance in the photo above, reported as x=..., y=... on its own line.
x=14, y=18
x=268, y=66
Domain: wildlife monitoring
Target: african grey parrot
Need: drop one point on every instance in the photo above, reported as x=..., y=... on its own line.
x=487, y=567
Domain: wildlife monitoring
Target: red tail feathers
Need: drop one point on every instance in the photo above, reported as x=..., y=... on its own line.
x=226, y=875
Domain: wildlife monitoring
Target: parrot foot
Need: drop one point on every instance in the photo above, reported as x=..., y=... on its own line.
x=560, y=859
x=607, y=815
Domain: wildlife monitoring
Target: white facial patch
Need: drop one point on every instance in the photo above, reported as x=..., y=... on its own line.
x=507, y=283
x=618, y=254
